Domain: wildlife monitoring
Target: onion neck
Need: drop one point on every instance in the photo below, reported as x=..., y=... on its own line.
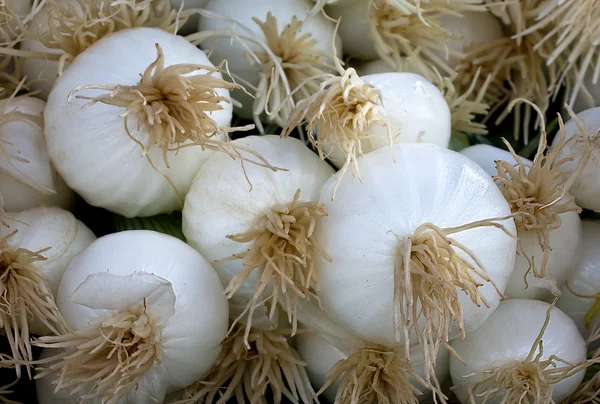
x=282, y=253
x=24, y=296
x=246, y=373
x=107, y=358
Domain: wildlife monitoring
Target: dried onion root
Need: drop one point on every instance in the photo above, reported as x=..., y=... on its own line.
x=107, y=358
x=428, y=276
x=282, y=254
x=6, y=390
x=246, y=373
x=589, y=391
x=342, y=112
x=24, y=295
x=525, y=381
x=296, y=64
x=376, y=374
x=538, y=194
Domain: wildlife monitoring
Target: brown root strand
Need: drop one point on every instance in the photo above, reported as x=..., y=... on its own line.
x=282, y=253
x=538, y=194
x=106, y=359
x=343, y=110
x=246, y=374
x=428, y=276
x=524, y=381
x=74, y=28
x=6, y=390
x=24, y=296
x=300, y=59
x=376, y=375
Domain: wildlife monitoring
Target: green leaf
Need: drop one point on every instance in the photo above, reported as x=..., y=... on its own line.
x=166, y=224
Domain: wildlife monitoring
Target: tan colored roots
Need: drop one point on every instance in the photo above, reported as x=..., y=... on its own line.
x=342, y=111
x=537, y=195
x=246, y=374
x=24, y=296
x=107, y=359
x=428, y=276
x=301, y=66
x=6, y=390
x=375, y=375
x=74, y=28
x=465, y=107
x=282, y=253
x=525, y=381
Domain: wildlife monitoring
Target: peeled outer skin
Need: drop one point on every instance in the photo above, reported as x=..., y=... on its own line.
x=414, y=109
x=426, y=184
x=354, y=29
x=586, y=188
x=41, y=74
x=40, y=228
x=90, y=147
x=585, y=278
x=242, y=11
x=151, y=389
x=220, y=203
x=508, y=335
x=192, y=336
x=30, y=143
x=320, y=356
x=564, y=241
x=473, y=27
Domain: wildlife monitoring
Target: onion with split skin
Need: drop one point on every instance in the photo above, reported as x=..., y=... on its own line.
x=302, y=45
x=260, y=239
x=119, y=155
x=28, y=178
x=35, y=250
x=426, y=232
x=533, y=344
x=149, y=298
x=563, y=240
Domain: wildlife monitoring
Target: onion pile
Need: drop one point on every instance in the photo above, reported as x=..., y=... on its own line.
x=269, y=201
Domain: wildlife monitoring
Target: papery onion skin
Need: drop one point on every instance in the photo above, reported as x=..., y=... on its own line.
x=320, y=356
x=584, y=280
x=90, y=147
x=361, y=232
x=564, y=241
x=192, y=336
x=586, y=189
x=508, y=335
x=42, y=185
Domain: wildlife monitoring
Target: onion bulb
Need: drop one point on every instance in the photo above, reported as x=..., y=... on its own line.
x=296, y=48
x=118, y=154
x=548, y=224
x=350, y=116
x=420, y=249
x=34, y=252
x=63, y=29
x=343, y=366
x=260, y=240
x=28, y=177
x=517, y=356
x=578, y=133
x=137, y=302
x=579, y=298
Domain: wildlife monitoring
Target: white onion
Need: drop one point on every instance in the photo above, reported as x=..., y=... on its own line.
x=182, y=296
x=91, y=148
x=579, y=294
x=508, y=335
x=220, y=205
x=586, y=188
x=564, y=241
x=34, y=182
x=370, y=220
